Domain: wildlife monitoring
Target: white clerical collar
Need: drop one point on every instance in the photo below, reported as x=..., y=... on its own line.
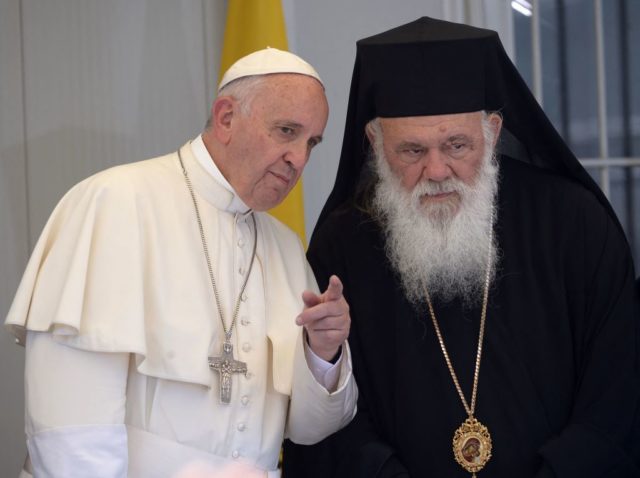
x=203, y=157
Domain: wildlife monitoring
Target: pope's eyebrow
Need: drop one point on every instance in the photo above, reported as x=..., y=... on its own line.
x=287, y=124
x=296, y=126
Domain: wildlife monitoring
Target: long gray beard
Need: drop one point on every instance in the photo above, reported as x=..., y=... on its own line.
x=432, y=247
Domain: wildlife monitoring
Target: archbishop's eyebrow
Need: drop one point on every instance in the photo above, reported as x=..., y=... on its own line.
x=459, y=137
x=409, y=145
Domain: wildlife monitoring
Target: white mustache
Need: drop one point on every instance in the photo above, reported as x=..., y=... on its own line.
x=432, y=188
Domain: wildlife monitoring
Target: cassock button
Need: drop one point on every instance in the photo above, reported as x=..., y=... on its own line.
x=244, y=400
x=241, y=427
x=235, y=453
x=245, y=321
x=240, y=242
x=240, y=270
x=246, y=347
x=243, y=297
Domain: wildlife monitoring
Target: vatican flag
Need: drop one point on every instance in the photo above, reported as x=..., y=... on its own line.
x=253, y=25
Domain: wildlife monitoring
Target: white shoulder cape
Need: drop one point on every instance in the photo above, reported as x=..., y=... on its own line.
x=119, y=268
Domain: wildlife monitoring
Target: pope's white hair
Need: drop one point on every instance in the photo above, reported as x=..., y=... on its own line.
x=244, y=90
x=443, y=249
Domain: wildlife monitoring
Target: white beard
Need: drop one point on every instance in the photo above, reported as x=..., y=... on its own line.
x=433, y=247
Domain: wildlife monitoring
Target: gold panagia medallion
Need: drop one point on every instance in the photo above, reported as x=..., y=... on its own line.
x=472, y=445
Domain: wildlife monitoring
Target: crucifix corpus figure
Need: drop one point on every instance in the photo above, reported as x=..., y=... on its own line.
x=226, y=365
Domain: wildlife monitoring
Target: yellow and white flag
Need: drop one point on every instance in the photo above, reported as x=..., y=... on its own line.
x=253, y=25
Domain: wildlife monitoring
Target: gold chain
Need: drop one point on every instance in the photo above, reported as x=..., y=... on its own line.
x=476, y=374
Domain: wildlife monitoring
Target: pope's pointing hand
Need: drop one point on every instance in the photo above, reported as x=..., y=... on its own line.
x=326, y=318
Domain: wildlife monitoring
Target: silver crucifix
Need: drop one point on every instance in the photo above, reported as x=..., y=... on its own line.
x=225, y=365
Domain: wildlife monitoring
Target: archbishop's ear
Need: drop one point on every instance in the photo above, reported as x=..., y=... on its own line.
x=495, y=121
x=372, y=131
x=223, y=112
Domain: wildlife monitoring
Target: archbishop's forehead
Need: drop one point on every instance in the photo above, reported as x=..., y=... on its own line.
x=470, y=123
x=457, y=118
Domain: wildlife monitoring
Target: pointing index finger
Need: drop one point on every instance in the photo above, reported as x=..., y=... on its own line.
x=334, y=290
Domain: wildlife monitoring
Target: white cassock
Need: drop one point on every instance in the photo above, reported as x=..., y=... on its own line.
x=119, y=318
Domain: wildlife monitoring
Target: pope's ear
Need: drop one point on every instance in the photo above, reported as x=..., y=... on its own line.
x=222, y=116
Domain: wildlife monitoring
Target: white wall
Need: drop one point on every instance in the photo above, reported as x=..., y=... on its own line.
x=87, y=84
x=14, y=245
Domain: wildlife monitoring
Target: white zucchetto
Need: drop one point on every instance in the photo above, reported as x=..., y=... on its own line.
x=265, y=62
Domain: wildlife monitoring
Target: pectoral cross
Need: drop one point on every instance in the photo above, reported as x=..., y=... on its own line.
x=225, y=365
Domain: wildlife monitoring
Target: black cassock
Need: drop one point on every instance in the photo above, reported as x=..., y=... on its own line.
x=557, y=387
